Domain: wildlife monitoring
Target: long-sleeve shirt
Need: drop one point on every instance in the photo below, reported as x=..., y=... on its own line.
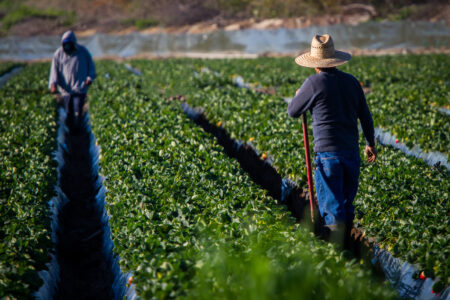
x=70, y=71
x=336, y=101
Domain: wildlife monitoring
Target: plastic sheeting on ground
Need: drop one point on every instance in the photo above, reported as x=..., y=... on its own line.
x=369, y=35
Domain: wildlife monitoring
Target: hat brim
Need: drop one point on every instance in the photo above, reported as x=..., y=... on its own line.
x=339, y=58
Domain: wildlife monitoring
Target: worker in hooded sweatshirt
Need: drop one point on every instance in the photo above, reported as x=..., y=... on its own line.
x=72, y=72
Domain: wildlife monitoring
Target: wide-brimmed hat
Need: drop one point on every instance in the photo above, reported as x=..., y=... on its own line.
x=322, y=54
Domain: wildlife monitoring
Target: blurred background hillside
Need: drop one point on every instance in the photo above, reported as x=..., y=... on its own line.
x=48, y=17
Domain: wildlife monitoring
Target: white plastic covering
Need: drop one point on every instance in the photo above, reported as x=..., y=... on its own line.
x=400, y=275
x=133, y=70
x=247, y=42
x=431, y=158
x=444, y=110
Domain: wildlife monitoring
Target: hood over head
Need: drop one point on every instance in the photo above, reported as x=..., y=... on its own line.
x=69, y=36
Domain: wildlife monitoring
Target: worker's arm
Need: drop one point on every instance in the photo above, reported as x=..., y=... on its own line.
x=91, y=69
x=53, y=79
x=302, y=100
x=365, y=117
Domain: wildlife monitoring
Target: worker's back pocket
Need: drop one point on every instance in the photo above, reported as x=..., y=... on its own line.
x=331, y=166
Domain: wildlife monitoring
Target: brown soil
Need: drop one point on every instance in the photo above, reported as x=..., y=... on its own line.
x=108, y=18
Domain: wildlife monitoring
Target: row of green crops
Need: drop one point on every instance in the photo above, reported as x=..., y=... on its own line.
x=186, y=219
x=392, y=202
x=27, y=176
x=401, y=200
x=405, y=91
x=7, y=66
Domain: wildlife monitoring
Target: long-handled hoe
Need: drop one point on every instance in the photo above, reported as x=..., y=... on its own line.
x=308, y=165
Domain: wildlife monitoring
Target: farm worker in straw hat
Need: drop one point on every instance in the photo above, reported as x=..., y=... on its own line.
x=336, y=101
x=72, y=70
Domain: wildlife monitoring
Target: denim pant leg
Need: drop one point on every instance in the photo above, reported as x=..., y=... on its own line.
x=351, y=175
x=78, y=103
x=328, y=175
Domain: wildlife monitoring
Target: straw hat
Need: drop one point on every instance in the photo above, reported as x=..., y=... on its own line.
x=322, y=54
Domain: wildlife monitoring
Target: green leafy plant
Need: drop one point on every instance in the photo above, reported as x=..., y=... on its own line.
x=27, y=178
x=174, y=194
x=7, y=66
x=396, y=194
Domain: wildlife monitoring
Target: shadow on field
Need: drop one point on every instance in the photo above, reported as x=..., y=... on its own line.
x=84, y=265
x=84, y=270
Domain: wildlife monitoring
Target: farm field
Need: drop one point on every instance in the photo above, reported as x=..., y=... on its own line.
x=7, y=66
x=185, y=216
x=27, y=176
x=196, y=211
x=392, y=203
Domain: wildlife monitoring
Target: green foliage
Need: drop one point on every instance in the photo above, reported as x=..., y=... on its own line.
x=186, y=218
x=402, y=14
x=401, y=200
x=274, y=264
x=16, y=13
x=140, y=23
x=7, y=66
x=174, y=196
x=27, y=177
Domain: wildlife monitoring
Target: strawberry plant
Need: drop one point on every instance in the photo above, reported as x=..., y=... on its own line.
x=185, y=218
x=27, y=177
x=395, y=195
x=174, y=196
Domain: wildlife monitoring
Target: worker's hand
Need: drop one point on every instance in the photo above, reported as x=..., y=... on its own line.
x=88, y=82
x=53, y=89
x=298, y=91
x=371, y=153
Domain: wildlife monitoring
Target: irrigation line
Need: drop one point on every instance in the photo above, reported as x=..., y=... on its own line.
x=83, y=264
x=8, y=75
x=444, y=110
x=133, y=70
x=396, y=271
x=430, y=158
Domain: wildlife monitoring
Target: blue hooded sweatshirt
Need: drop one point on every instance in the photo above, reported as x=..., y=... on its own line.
x=70, y=71
x=336, y=101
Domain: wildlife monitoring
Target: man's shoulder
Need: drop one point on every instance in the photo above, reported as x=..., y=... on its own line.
x=82, y=49
x=316, y=80
x=58, y=52
x=348, y=75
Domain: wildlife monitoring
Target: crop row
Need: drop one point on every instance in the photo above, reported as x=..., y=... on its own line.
x=392, y=203
x=27, y=177
x=182, y=211
x=7, y=66
x=186, y=218
x=405, y=91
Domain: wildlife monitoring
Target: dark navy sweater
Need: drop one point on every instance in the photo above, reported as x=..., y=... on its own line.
x=336, y=101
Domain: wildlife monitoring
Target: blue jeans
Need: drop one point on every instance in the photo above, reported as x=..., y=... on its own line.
x=336, y=177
